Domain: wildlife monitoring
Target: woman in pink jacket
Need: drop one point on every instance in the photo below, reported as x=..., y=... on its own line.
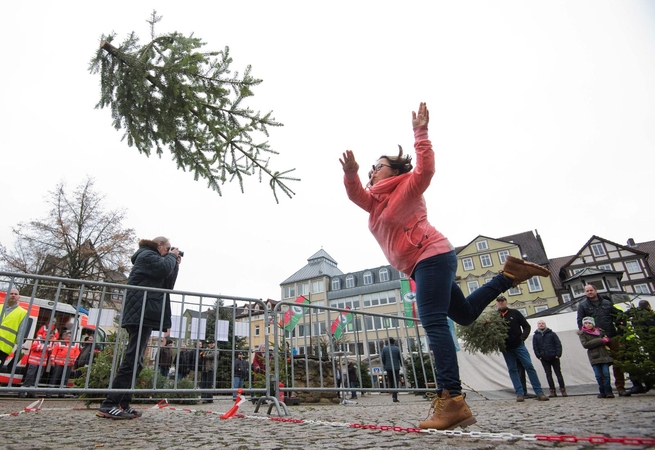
x=398, y=221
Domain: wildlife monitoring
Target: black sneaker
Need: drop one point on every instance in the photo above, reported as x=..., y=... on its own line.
x=135, y=412
x=114, y=412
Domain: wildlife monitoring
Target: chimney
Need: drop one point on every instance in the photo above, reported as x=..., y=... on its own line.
x=631, y=243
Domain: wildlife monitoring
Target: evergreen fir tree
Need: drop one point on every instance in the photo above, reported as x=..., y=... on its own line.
x=167, y=93
x=486, y=335
x=637, y=345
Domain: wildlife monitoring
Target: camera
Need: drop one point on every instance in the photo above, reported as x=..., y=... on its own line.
x=180, y=252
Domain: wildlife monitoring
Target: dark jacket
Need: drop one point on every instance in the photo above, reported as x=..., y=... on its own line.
x=150, y=270
x=603, y=311
x=241, y=368
x=165, y=357
x=182, y=362
x=596, y=350
x=519, y=328
x=546, y=345
x=391, y=360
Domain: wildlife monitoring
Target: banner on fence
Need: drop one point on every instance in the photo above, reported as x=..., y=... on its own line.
x=293, y=314
x=339, y=324
x=408, y=294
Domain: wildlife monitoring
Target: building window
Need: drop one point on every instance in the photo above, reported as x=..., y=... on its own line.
x=502, y=256
x=612, y=283
x=538, y=309
x=467, y=263
x=303, y=289
x=350, y=281
x=384, y=274
x=514, y=291
x=482, y=245
x=522, y=311
x=534, y=284
x=336, y=284
x=472, y=286
x=605, y=267
x=598, y=249
x=633, y=266
x=485, y=260
x=578, y=289
x=289, y=291
x=642, y=289
x=403, y=276
x=566, y=298
x=368, y=277
x=318, y=286
x=256, y=330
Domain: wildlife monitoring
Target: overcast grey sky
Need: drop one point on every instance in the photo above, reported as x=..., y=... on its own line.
x=542, y=117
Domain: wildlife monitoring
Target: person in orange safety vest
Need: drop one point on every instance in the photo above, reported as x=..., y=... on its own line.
x=38, y=357
x=63, y=358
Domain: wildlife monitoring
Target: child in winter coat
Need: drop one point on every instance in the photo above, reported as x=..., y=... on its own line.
x=596, y=341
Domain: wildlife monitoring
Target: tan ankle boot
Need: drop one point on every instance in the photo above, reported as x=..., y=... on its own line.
x=449, y=413
x=563, y=391
x=553, y=393
x=520, y=270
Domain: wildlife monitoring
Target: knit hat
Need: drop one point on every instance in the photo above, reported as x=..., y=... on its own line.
x=590, y=320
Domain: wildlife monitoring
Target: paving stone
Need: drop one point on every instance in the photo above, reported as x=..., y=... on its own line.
x=68, y=424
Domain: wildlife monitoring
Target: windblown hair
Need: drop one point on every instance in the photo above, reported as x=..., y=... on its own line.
x=402, y=164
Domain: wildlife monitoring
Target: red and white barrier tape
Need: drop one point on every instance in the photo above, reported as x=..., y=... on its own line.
x=232, y=413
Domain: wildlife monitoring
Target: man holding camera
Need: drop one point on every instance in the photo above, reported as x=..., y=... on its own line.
x=155, y=266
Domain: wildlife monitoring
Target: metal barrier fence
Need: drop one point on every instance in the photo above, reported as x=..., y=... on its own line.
x=200, y=374
x=355, y=354
x=328, y=353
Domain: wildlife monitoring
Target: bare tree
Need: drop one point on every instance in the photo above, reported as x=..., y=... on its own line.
x=77, y=239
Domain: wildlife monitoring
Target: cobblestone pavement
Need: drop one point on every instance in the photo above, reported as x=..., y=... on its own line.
x=69, y=424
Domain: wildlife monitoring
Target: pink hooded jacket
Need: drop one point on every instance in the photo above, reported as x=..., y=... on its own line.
x=398, y=216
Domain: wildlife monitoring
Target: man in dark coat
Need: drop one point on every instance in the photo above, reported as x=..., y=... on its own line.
x=155, y=266
x=548, y=349
x=392, y=361
x=605, y=315
x=517, y=332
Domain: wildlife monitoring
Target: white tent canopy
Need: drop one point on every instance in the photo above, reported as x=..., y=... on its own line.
x=488, y=376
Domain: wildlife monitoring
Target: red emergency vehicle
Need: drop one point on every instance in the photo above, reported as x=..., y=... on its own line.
x=43, y=312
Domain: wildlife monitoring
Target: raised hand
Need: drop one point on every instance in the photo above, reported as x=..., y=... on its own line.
x=348, y=162
x=422, y=117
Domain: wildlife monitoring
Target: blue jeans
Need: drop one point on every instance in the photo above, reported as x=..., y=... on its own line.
x=353, y=394
x=237, y=382
x=439, y=297
x=521, y=353
x=602, y=373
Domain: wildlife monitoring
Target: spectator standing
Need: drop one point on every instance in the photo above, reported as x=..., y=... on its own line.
x=208, y=358
x=605, y=315
x=241, y=370
x=352, y=378
x=63, y=357
x=165, y=357
x=12, y=324
x=517, y=332
x=259, y=360
x=85, y=356
x=156, y=265
x=182, y=366
x=596, y=341
x=548, y=349
x=392, y=362
x=38, y=357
